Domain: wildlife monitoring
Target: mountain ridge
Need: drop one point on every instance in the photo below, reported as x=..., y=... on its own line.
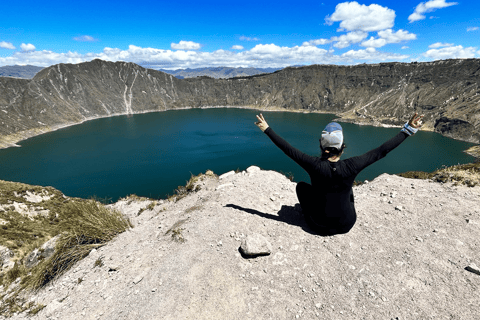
x=24, y=72
x=446, y=91
x=218, y=72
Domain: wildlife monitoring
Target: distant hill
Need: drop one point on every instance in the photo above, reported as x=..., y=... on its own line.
x=218, y=72
x=25, y=72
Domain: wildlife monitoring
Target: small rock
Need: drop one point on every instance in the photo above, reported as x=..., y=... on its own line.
x=273, y=198
x=51, y=307
x=399, y=208
x=473, y=268
x=227, y=174
x=255, y=245
x=137, y=279
x=253, y=169
x=46, y=251
x=5, y=257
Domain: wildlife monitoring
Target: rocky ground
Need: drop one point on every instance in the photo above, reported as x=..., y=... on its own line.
x=411, y=255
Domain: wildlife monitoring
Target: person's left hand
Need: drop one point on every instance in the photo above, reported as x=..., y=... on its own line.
x=262, y=124
x=416, y=121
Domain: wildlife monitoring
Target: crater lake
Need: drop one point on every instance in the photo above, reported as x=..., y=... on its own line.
x=152, y=154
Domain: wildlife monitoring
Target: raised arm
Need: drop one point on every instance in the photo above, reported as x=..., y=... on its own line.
x=304, y=160
x=410, y=128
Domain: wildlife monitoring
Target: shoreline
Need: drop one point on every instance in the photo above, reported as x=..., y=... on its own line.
x=14, y=139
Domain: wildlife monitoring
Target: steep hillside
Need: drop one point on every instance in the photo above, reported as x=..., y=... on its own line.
x=447, y=92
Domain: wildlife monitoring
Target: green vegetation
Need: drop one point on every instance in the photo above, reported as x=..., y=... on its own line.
x=462, y=174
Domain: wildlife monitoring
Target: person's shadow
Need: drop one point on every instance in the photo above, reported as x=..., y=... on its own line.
x=287, y=214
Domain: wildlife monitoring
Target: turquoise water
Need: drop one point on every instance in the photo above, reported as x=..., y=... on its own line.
x=152, y=154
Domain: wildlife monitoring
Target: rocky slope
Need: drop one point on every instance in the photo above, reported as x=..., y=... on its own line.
x=447, y=92
x=406, y=258
x=218, y=72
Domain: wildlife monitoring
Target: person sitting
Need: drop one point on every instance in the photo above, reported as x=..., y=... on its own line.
x=328, y=202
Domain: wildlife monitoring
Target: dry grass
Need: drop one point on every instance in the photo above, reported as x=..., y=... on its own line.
x=462, y=174
x=87, y=225
x=82, y=224
x=191, y=186
x=150, y=207
x=176, y=231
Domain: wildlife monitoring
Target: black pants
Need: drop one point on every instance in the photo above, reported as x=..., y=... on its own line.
x=309, y=201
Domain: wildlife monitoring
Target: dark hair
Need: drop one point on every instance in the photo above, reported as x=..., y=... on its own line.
x=332, y=151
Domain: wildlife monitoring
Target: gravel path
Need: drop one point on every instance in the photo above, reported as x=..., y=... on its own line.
x=404, y=259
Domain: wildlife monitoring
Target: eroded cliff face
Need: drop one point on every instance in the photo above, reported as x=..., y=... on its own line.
x=447, y=92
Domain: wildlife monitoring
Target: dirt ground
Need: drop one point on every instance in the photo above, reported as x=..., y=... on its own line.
x=404, y=259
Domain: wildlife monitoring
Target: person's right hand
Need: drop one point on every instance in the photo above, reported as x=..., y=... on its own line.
x=262, y=124
x=415, y=121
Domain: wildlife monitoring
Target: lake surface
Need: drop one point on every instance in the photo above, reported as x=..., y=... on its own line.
x=152, y=154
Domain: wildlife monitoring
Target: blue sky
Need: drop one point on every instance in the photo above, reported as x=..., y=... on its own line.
x=191, y=34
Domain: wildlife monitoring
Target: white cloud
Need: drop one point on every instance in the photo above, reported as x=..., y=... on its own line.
x=243, y=38
x=429, y=6
x=85, y=38
x=345, y=40
x=405, y=47
x=237, y=47
x=262, y=55
x=43, y=58
x=456, y=52
x=396, y=37
x=388, y=36
x=354, y=16
x=374, y=43
x=370, y=54
x=439, y=45
x=27, y=47
x=6, y=45
x=472, y=29
x=316, y=42
x=185, y=45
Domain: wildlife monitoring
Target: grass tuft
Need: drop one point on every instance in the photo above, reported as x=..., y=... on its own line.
x=98, y=263
x=191, y=186
x=87, y=225
x=176, y=231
